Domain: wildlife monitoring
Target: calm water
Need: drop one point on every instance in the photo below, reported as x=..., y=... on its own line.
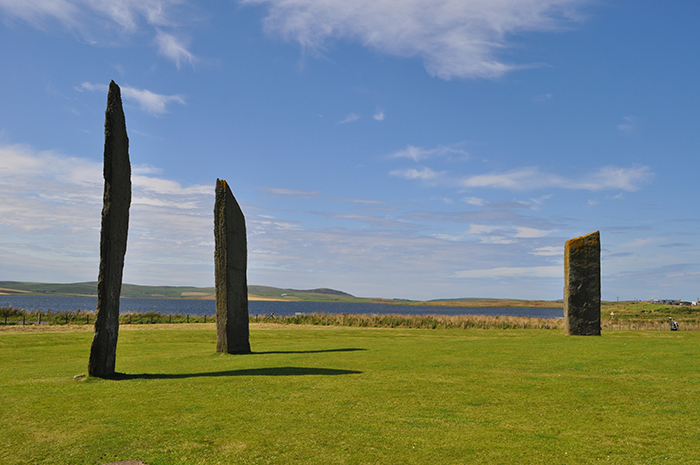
x=206, y=307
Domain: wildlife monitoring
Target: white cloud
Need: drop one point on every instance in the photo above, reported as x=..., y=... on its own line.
x=75, y=13
x=35, y=11
x=351, y=118
x=550, y=251
x=148, y=101
x=425, y=174
x=95, y=18
x=530, y=232
x=476, y=201
x=513, y=272
x=379, y=115
x=50, y=213
x=486, y=234
x=628, y=125
x=639, y=242
x=609, y=177
x=421, y=153
x=174, y=48
x=480, y=229
x=455, y=39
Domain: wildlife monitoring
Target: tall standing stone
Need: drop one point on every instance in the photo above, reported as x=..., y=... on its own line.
x=230, y=264
x=115, y=227
x=582, y=285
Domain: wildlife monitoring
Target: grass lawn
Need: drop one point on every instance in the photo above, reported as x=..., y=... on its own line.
x=341, y=395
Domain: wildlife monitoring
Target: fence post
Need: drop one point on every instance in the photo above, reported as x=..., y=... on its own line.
x=188, y=318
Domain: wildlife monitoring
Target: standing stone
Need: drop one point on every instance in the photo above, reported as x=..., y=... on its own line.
x=115, y=227
x=582, y=285
x=230, y=264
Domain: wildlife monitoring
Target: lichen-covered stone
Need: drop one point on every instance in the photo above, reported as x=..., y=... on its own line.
x=115, y=227
x=582, y=285
x=230, y=265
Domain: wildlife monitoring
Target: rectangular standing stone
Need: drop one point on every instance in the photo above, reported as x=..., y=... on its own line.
x=230, y=266
x=113, y=236
x=582, y=285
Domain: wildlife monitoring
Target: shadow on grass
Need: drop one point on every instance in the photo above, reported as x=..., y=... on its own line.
x=279, y=371
x=305, y=351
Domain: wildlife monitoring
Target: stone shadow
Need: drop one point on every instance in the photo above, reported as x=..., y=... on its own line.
x=320, y=351
x=276, y=371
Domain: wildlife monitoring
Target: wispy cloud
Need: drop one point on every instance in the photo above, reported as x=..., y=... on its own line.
x=480, y=229
x=476, y=201
x=424, y=174
x=489, y=234
x=50, y=208
x=174, y=48
x=94, y=18
x=676, y=244
x=523, y=179
x=292, y=193
x=530, y=232
x=379, y=115
x=421, y=153
x=549, y=251
x=455, y=39
x=639, y=242
x=50, y=220
x=351, y=118
x=628, y=125
x=148, y=101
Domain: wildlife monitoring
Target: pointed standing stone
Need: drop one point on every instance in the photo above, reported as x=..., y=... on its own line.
x=115, y=227
x=582, y=285
x=230, y=265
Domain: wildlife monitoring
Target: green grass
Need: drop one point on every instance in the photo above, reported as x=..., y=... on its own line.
x=641, y=311
x=353, y=396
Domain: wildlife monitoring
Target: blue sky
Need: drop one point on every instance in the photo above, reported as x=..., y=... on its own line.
x=414, y=149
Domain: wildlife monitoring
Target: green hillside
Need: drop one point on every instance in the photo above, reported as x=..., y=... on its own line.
x=310, y=295
x=173, y=292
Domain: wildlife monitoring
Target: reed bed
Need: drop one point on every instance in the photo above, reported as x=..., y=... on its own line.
x=13, y=316
x=413, y=321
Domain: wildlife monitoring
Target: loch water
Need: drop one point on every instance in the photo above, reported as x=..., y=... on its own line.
x=207, y=307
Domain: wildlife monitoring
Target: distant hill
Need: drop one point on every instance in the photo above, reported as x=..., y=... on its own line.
x=172, y=292
x=254, y=293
